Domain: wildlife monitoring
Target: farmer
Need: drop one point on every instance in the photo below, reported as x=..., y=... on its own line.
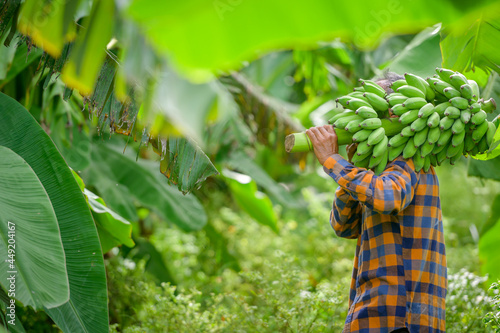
x=399, y=279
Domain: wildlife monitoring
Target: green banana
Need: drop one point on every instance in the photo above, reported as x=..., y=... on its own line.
x=372, y=123
x=475, y=108
x=363, y=148
x=466, y=91
x=360, y=89
x=426, y=149
x=353, y=126
x=451, y=92
x=415, y=81
x=433, y=160
x=478, y=118
x=457, y=138
x=418, y=160
x=439, y=86
x=376, y=136
x=483, y=145
x=381, y=147
x=381, y=165
x=441, y=108
x=433, y=120
x=377, y=102
x=366, y=112
x=394, y=152
x=459, y=102
x=356, y=103
x=408, y=117
x=452, y=112
x=420, y=137
x=458, y=126
x=474, y=151
x=414, y=102
x=437, y=149
x=359, y=95
x=399, y=109
x=455, y=158
x=446, y=123
x=469, y=143
x=411, y=91
x=396, y=98
x=433, y=135
x=409, y=149
x=426, y=110
x=475, y=88
x=445, y=74
x=444, y=138
x=375, y=160
x=372, y=87
x=361, y=135
x=399, y=83
x=480, y=131
x=489, y=105
x=427, y=163
x=358, y=158
x=465, y=116
x=490, y=133
x=343, y=100
x=398, y=140
x=407, y=131
x=364, y=163
x=340, y=115
x=418, y=124
x=453, y=150
x=441, y=156
x=458, y=80
x=342, y=122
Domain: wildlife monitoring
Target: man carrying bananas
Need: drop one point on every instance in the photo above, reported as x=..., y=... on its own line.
x=399, y=279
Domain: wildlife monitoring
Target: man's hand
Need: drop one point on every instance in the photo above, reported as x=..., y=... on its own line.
x=324, y=141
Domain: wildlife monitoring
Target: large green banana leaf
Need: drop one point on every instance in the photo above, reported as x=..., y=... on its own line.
x=203, y=36
x=86, y=310
x=29, y=237
x=473, y=45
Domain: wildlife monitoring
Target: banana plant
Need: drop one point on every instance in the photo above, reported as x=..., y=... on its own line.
x=56, y=238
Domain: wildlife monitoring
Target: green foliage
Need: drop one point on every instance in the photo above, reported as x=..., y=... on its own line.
x=140, y=182
x=421, y=56
x=281, y=302
x=255, y=203
x=492, y=318
x=466, y=303
x=470, y=45
x=489, y=253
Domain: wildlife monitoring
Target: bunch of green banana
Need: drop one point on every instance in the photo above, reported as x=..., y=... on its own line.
x=440, y=118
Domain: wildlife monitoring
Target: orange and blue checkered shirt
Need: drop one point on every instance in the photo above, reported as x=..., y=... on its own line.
x=399, y=277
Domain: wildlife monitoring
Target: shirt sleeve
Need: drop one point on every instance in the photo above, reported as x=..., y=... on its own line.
x=346, y=215
x=389, y=193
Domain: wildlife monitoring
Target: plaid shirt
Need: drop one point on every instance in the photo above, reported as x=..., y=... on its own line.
x=399, y=277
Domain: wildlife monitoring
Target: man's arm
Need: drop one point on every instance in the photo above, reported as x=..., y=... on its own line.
x=346, y=215
x=388, y=193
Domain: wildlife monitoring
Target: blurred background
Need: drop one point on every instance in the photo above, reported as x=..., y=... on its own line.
x=173, y=117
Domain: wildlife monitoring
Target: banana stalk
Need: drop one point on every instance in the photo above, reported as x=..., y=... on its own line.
x=300, y=142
